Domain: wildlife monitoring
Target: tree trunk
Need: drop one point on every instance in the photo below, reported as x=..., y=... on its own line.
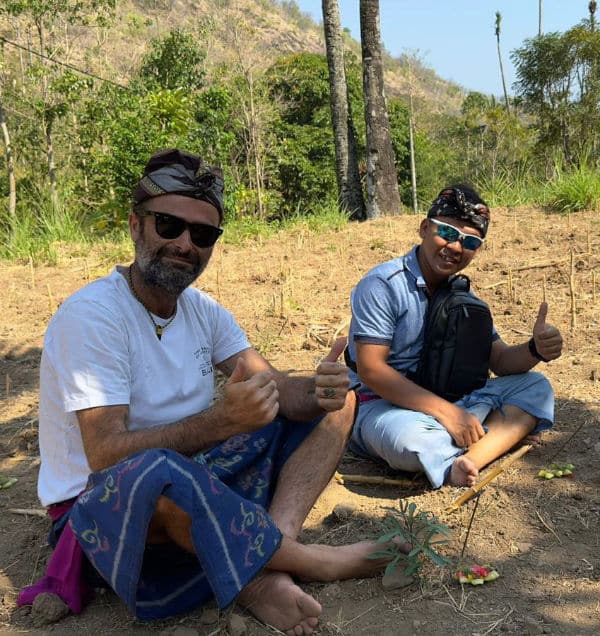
x=413, y=168
x=498, y=21
x=47, y=120
x=348, y=177
x=10, y=167
x=383, y=197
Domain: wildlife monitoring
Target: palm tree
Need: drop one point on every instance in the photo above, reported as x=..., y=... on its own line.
x=348, y=177
x=498, y=21
x=382, y=179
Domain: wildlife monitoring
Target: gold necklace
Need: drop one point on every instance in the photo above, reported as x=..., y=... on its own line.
x=158, y=329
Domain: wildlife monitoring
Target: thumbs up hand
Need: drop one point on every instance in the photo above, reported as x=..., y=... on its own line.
x=332, y=381
x=250, y=401
x=547, y=338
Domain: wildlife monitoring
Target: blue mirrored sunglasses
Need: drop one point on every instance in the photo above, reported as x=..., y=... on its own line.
x=451, y=234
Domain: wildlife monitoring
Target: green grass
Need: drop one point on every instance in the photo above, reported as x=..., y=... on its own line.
x=42, y=235
x=575, y=190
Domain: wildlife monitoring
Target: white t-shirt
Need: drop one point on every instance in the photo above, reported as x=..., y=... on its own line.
x=101, y=349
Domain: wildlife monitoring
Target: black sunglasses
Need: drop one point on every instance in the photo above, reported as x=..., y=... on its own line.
x=168, y=226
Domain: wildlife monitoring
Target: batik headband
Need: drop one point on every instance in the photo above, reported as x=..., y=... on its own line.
x=178, y=172
x=452, y=202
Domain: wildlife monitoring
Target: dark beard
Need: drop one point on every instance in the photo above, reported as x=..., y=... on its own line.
x=155, y=273
x=173, y=281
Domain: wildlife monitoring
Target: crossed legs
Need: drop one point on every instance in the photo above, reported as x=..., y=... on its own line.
x=273, y=596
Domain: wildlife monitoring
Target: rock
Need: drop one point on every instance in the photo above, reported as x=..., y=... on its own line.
x=182, y=630
x=396, y=579
x=343, y=512
x=236, y=625
x=532, y=627
x=209, y=616
x=48, y=608
x=330, y=593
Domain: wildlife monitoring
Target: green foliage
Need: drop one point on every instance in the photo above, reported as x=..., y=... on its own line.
x=173, y=62
x=38, y=228
x=559, y=83
x=421, y=529
x=574, y=190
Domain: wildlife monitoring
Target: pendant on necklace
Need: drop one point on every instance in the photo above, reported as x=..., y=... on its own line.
x=159, y=331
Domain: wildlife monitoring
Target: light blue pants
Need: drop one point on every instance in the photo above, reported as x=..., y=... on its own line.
x=416, y=442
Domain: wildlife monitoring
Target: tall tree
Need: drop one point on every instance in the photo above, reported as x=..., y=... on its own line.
x=348, y=178
x=498, y=22
x=382, y=180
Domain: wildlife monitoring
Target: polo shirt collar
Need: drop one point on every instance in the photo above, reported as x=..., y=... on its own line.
x=411, y=263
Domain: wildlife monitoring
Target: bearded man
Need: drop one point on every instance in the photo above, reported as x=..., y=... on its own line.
x=156, y=487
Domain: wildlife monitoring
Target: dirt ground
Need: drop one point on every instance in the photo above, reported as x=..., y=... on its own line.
x=290, y=293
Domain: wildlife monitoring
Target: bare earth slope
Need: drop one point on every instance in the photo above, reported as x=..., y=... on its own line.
x=291, y=294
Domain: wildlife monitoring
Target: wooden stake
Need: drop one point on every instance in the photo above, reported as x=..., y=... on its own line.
x=457, y=503
x=511, y=291
x=594, y=286
x=371, y=479
x=51, y=301
x=544, y=288
x=31, y=272
x=572, y=292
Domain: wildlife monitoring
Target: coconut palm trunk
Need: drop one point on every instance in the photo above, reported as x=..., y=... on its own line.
x=348, y=177
x=383, y=197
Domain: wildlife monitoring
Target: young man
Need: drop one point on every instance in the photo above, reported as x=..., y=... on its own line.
x=407, y=426
x=189, y=498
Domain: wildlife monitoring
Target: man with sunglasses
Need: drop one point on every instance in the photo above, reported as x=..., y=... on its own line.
x=405, y=425
x=175, y=496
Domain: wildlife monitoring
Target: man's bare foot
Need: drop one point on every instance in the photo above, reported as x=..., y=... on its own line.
x=337, y=563
x=463, y=472
x=534, y=440
x=277, y=601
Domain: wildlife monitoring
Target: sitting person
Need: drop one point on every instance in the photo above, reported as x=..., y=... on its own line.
x=190, y=498
x=407, y=426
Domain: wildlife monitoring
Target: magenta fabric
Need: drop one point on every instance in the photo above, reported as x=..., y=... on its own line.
x=63, y=572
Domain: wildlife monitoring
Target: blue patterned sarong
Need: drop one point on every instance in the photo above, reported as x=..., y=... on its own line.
x=226, y=491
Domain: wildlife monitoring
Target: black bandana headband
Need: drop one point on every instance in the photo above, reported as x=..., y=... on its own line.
x=452, y=202
x=178, y=172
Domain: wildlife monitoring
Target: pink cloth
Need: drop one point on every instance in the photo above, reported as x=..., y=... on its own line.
x=64, y=570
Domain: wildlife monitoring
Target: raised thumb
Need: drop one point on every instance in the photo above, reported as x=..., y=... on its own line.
x=540, y=321
x=239, y=372
x=336, y=350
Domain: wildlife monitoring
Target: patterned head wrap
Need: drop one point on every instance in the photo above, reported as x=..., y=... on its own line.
x=175, y=171
x=454, y=202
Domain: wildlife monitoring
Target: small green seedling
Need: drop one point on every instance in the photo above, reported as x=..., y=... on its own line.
x=557, y=470
x=421, y=530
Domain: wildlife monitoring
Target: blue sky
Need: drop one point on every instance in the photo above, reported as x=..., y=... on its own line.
x=456, y=38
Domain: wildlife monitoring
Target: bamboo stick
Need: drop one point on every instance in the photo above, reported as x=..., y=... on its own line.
x=371, y=479
x=36, y=512
x=455, y=505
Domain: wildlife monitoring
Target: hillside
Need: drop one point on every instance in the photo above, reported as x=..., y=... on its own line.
x=114, y=50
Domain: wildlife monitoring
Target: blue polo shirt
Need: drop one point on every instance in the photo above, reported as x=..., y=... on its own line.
x=389, y=306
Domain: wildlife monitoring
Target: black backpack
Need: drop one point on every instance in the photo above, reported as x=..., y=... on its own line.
x=455, y=359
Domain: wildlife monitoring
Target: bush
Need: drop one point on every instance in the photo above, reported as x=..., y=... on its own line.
x=576, y=190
